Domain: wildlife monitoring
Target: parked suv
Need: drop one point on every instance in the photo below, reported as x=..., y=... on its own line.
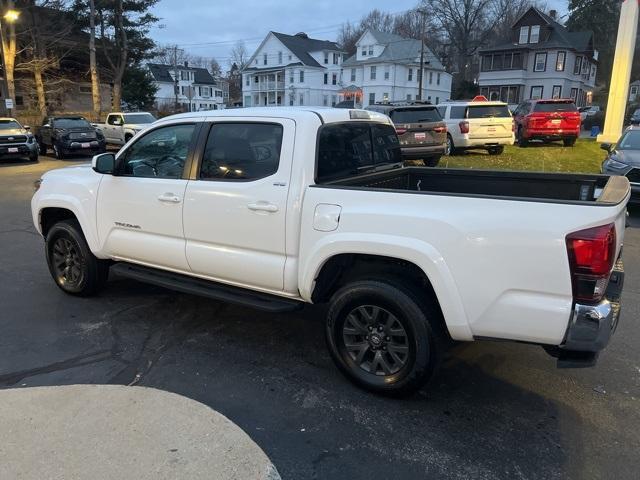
x=547, y=120
x=68, y=134
x=477, y=124
x=421, y=131
x=16, y=140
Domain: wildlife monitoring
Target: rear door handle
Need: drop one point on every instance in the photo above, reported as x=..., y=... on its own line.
x=169, y=198
x=263, y=207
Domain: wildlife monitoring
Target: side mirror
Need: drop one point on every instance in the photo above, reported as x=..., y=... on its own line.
x=26, y=127
x=606, y=147
x=46, y=125
x=104, y=163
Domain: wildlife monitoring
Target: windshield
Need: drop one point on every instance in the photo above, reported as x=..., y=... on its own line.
x=9, y=125
x=629, y=141
x=415, y=115
x=77, y=122
x=139, y=118
x=555, y=107
x=487, y=111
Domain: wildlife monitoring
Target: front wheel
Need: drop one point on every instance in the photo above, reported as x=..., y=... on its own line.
x=382, y=338
x=72, y=265
x=33, y=157
x=43, y=148
x=58, y=151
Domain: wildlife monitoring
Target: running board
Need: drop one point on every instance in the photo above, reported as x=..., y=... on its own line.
x=206, y=288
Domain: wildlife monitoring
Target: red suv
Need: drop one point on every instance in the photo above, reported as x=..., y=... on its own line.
x=547, y=120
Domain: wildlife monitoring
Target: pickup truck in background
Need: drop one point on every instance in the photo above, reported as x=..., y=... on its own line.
x=274, y=208
x=69, y=134
x=120, y=127
x=16, y=140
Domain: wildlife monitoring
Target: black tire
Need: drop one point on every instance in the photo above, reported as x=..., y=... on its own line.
x=522, y=142
x=569, y=142
x=405, y=370
x=33, y=157
x=496, y=150
x=43, y=148
x=127, y=137
x=58, y=151
x=83, y=274
x=432, y=161
x=450, y=148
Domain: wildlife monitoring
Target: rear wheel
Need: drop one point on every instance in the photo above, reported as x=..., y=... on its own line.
x=34, y=156
x=432, y=161
x=72, y=265
x=450, y=148
x=569, y=142
x=496, y=150
x=382, y=338
x=43, y=148
x=522, y=142
x=58, y=151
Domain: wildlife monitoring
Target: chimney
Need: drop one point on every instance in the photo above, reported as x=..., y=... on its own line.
x=186, y=64
x=553, y=14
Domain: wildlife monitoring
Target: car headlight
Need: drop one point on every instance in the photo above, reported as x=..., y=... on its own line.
x=615, y=164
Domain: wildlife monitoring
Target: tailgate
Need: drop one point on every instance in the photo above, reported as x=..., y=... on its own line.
x=490, y=128
x=421, y=134
x=556, y=121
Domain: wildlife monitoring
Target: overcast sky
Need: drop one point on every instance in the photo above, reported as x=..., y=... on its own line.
x=211, y=27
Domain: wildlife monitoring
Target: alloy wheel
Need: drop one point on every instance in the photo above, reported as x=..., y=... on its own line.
x=68, y=263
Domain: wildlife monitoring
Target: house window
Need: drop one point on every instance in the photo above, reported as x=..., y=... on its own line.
x=386, y=73
x=372, y=98
x=336, y=58
x=634, y=90
x=408, y=97
x=560, y=60
x=370, y=50
x=326, y=58
x=292, y=99
x=535, y=34
x=334, y=100
x=373, y=72
x=574, y=94
x=264, y=59
x=248, y=81
x=291, y=76
x=524, y=35
x=536, y=92
x=255, y=79
x=247, y=100
x=279, y=57
x=578, y=66
x=301, y=99
x=430, y=78
x=353, y=74
x=334, y=79
x=410, y=75
x=325, y=100
x=438, y=80
x=301, y=76
x=385, y=97
x=326, y=78
x=364, y=51
x=557, y=91
x=541, y=62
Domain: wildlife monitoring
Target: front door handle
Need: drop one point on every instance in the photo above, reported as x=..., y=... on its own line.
x=263, y=207
x=169, y=198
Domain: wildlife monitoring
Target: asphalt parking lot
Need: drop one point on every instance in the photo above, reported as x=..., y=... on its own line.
x=497, y=410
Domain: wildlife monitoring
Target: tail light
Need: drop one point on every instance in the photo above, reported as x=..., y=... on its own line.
x=400, y=130
x=440, y=129
x=513, y=125
x=591, y=260
x=464, y=127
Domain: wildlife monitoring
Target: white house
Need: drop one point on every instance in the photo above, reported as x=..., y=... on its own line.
x=293, y=70
x=542, y=59
x=196, y=88
x=386, y=67
x=634, y=91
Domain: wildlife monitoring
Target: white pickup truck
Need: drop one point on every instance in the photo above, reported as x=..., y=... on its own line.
x=121, y=127
x=277, y=207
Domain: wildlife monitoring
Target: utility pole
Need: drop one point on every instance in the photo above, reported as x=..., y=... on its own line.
x=175, y=74
x=423, y=13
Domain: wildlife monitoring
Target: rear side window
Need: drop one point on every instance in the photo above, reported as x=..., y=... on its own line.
x=241, y=151
x=347, y=149
x=555, y=107
x=488, y=111
x=458, y=112
x=442, y=111
x=415, y=115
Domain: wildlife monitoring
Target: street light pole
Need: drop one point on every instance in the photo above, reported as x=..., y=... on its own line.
x=5, y=82
x=421, y=71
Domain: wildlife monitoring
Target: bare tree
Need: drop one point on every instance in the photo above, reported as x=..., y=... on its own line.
x=239, y=55
x=506, y=12
x=9, y=45
x=350, y=32
x=93, y=66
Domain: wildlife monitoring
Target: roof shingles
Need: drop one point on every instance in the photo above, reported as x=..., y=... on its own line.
x=162, y=73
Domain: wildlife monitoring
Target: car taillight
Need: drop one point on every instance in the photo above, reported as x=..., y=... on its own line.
x=400, y=130
x=440, y=129
x=591, y=259
x=464, y=127
x=513, y=125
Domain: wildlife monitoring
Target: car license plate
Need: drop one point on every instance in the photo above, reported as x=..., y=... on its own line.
x=13, y=150
x=420, y=136
x=492, y=129
x=556, y=122
x=85, y=145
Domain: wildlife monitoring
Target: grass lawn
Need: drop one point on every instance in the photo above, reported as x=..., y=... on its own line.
x=584, y=157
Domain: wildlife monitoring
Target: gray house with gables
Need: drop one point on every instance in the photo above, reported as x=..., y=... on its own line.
x=541, y=59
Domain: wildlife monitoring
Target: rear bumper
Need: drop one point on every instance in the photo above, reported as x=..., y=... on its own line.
x=591, y=326
x=418, y=152
x=483, y=142
x=546, y=134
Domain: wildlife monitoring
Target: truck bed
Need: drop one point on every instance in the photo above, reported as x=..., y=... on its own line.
x=511, y=185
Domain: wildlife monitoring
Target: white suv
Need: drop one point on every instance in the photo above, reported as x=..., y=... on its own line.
x=477, y=124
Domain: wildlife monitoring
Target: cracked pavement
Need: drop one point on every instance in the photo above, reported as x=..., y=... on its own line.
x=497, y=410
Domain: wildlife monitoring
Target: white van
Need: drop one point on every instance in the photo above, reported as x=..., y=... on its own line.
x=477, y=123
